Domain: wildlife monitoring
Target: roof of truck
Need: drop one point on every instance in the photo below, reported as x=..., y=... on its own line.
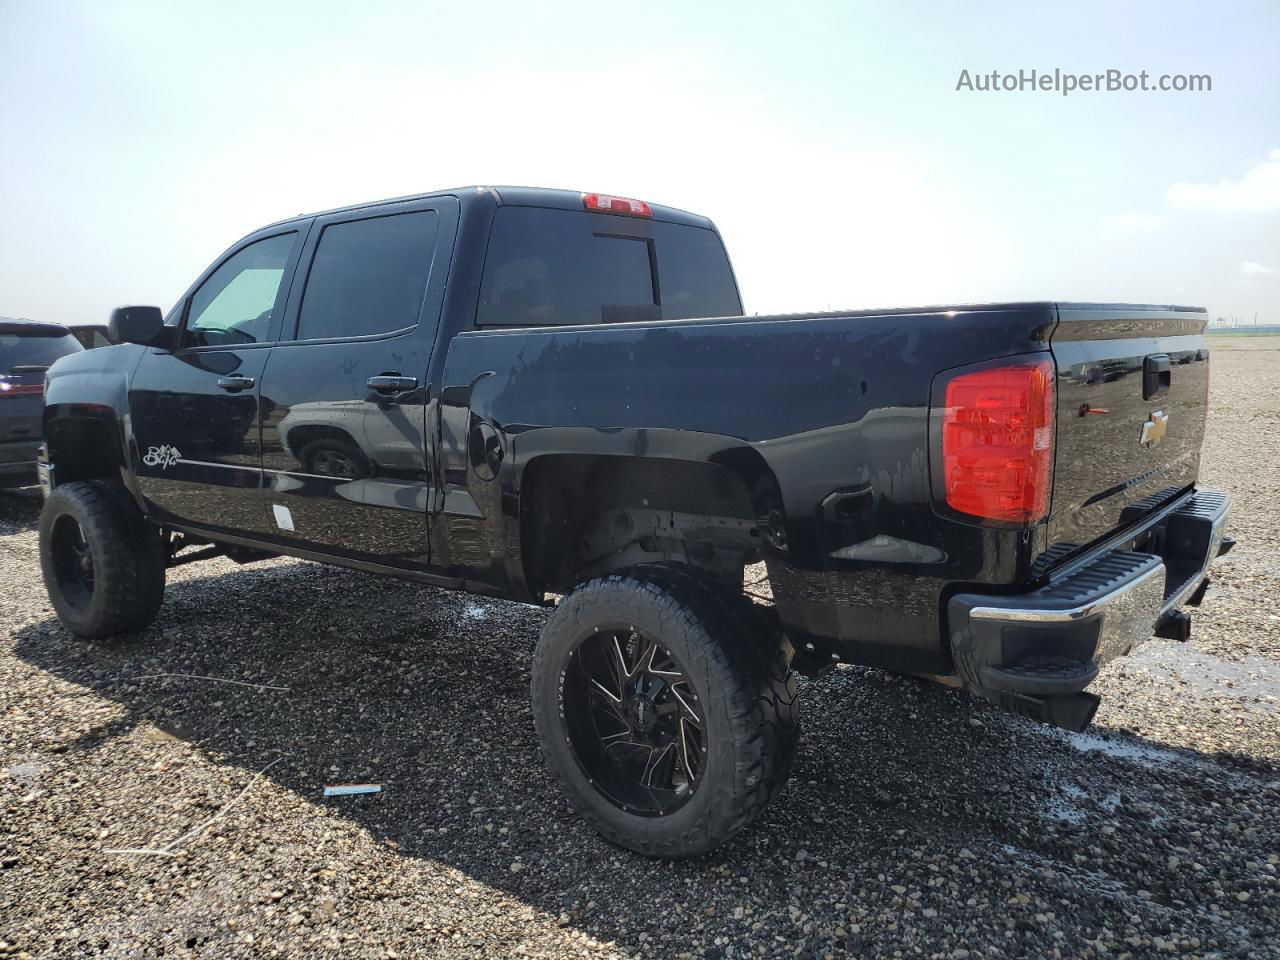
x=511, y=196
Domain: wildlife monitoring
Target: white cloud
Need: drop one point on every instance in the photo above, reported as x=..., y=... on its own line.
x=1253, y=268
x=1135, y=222
x=1258, y=189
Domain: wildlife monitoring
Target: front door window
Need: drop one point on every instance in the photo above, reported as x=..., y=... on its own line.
x=235, y=304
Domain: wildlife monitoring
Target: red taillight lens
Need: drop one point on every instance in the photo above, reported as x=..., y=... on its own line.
x=997, y=442
x=10, y=389
x=603, y=203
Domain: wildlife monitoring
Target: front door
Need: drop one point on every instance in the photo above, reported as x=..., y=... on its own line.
x=346, y=454
x=194, y=409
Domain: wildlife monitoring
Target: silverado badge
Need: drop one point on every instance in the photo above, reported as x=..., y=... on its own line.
x=1154, y=429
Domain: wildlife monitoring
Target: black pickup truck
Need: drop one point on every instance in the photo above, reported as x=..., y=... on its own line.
x=553, y=397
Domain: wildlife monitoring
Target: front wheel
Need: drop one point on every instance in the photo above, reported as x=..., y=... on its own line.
x=665, y=710
x=103, y=563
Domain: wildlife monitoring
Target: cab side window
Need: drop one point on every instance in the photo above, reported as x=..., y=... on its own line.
x=368, y=277
x=235, y=303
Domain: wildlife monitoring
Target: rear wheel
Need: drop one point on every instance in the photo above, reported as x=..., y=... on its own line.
x=103, y=563
x=633, y=717
x=665, y=710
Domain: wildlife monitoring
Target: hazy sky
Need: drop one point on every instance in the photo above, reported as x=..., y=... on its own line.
x=828, y=141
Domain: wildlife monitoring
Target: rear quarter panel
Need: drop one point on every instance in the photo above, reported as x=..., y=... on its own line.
x=827, y=403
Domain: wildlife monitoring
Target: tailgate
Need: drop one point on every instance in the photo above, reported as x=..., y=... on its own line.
x=1132, y=397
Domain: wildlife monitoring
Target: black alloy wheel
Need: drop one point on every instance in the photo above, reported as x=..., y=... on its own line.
x=633, y=717
x=72, y=562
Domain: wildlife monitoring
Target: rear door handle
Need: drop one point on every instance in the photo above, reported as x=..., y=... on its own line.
x=392, y=384
x=235, y=384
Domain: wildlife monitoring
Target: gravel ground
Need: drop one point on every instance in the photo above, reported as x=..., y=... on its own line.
x=919, y=822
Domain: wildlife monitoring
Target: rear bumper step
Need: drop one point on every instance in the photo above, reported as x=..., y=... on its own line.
x=1049, y=643
x=1041, y=673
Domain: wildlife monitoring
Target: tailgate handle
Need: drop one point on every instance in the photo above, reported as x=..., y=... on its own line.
x=1156, y=375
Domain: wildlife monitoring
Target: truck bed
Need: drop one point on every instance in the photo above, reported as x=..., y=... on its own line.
x=836, y=406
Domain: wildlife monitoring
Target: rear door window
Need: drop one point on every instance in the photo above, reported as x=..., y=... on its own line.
x=556, y=267
x=368, y=277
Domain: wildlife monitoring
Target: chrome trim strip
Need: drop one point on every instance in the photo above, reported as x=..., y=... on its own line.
x=1072, y=613
x=206, y=463
x=284, y=473
x=299, y=473
x=1180, y=597
x=1065, y=616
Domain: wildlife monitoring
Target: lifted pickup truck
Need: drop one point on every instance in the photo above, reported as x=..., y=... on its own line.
x=553, y=397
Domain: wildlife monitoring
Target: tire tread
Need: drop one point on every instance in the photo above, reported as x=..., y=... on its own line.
x=129, y=566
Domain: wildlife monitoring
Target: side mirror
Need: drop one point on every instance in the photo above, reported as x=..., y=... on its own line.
x=144, y=325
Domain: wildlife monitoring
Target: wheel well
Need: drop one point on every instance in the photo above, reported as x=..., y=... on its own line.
x=83, y=448
x=586, y=515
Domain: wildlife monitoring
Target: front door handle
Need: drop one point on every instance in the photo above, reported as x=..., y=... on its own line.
x=235, y=384
x=392, y=384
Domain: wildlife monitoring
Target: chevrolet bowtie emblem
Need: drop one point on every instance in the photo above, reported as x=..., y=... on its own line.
x=1154, y=429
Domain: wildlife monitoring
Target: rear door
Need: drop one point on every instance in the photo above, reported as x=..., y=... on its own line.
x=1132, y=399
x=346, y=454
x=194, y=409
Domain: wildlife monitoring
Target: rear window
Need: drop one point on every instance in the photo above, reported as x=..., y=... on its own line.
x=36, y=350
x=546, y=267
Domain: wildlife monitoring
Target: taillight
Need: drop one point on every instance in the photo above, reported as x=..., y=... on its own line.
x=997, y=442
x=602, y=203
x=10, y=389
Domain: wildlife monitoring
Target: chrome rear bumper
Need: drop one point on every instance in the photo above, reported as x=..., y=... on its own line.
x=1050, y=642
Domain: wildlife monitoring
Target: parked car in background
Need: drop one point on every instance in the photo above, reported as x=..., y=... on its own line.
x=26, y=351
x=92, y=335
